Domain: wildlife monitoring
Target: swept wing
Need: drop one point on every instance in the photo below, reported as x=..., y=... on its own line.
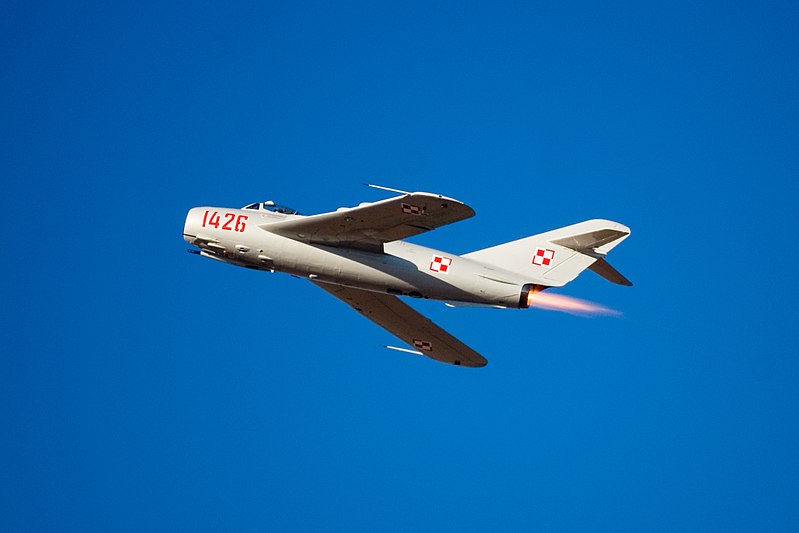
x=370, y=225
x=405, y=323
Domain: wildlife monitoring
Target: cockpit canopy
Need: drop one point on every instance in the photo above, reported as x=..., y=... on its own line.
x=269, y=205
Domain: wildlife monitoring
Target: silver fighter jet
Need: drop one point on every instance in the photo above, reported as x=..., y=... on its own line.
x=357, y=254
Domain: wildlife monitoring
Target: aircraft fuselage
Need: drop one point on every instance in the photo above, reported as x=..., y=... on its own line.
x=234, y=236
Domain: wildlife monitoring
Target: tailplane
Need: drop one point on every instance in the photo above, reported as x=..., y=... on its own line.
x=556, y=257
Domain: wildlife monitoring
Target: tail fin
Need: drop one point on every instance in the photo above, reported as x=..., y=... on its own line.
x=556, y=257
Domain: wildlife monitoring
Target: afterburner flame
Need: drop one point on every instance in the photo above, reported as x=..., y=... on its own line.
x=567, y=304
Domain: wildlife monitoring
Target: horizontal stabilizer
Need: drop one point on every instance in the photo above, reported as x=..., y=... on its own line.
x=592, y=240
x=603, y=268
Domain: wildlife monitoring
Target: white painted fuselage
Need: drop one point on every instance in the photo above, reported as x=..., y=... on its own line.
x=402, y=268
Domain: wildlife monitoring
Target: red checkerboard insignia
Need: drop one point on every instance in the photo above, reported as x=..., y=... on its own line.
x=441, y=264
x=411, y=209
x=427, y=346
x=543, y=257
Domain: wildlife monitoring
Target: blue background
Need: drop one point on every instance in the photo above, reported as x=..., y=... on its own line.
x=144, y=388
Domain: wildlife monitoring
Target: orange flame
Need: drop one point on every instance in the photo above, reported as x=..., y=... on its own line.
x=567, y=304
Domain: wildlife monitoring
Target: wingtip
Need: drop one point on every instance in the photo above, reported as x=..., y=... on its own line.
x=471, y=364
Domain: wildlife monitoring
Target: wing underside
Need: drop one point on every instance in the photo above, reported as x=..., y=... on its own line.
x=407, y=324
x=370, y=225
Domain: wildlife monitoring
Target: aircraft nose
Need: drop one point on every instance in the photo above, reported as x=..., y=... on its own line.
x=192, y=224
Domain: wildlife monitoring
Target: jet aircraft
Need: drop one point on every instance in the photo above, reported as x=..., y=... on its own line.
x=358, y=255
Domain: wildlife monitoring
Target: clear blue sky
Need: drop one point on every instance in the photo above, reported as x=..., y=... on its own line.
x=144, y=388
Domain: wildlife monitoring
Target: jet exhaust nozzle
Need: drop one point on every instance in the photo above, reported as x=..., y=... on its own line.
x=528, y=292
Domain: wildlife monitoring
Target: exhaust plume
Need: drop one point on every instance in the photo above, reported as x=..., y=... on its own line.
x=568, y=304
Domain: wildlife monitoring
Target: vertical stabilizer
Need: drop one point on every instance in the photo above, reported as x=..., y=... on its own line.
x=556, y=257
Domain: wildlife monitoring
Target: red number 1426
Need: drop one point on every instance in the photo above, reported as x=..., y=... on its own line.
x=231, y=222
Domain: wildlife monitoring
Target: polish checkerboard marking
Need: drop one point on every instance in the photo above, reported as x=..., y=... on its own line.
x=543, y=257
x=411, y=209
x=441, y=264
x=426, y=346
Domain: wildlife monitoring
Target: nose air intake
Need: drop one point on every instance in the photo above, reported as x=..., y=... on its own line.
x=192, y=224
